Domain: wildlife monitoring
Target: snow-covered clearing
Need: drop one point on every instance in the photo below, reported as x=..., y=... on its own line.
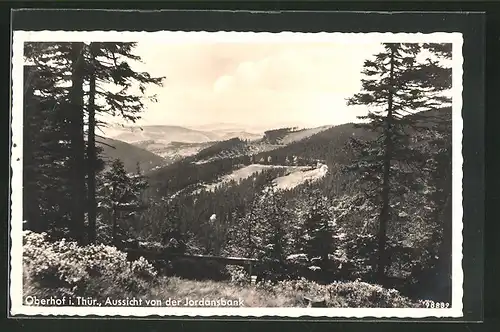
x=302, y=134
x=298, y=177
x=247, y=171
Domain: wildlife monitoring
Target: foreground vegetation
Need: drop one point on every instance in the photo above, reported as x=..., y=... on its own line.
x=65, y=269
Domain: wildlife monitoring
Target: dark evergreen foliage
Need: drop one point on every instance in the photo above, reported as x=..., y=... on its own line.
x=56, y=100
x=225, y=149
x=396, y=86
x=276, y=135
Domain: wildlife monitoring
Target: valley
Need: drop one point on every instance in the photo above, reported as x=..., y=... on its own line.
x=174, y=143
x=285, y=158
x=213, y=191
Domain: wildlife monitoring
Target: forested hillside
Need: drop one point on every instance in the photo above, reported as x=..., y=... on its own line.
x=129, y=154
x=367, y=201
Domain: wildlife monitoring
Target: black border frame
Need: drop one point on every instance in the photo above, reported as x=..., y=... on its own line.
x=471, y=25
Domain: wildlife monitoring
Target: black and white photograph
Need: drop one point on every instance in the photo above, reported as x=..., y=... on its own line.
x=237, y=174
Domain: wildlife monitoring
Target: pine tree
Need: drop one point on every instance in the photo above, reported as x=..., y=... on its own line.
x=57, y=106
x=120, y=197
x=108, y=64
x=273, y=246
x=436, y=172
x=318, y=228
x=245, y=233
x=173, y=237
x=47, y=138
x=441, y=178
x=395, y=88
x=62, y=71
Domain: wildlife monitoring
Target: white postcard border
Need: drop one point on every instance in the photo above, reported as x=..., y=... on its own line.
x=16, y=293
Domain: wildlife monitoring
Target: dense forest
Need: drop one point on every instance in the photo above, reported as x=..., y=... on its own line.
x=381, y=214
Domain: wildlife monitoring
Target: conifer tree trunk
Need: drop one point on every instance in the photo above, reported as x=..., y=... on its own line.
x=76, y=133
x=385, y=195
x=91, y=151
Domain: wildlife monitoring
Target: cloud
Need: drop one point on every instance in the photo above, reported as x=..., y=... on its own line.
x=223, y=83
x=253, y=83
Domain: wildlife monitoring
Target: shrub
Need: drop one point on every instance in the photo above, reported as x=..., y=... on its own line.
x=361, y=294
x=338, y=294
x=95, y=270
x=239, y=276
x=344, y=294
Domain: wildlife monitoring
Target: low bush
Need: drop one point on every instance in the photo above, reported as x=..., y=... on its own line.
x=64, y=268
x=341, y=294
x=239, y=276
x=364, y=295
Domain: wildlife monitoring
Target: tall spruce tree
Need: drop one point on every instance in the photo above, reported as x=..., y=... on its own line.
x=318, y=228
x=245, y=234
x=120, y=197
x=395, y=87
x=273, y=244
x=108, y=69
x=49, y=131
x=56, y=98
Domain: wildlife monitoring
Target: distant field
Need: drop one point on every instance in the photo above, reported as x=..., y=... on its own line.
x=247, y=171
x=298, y=177
x=302, y=134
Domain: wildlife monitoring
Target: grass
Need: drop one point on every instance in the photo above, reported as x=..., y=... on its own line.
x=251, y=296
x=286, y=294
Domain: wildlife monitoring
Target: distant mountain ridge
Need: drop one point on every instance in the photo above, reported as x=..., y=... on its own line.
x=163, y=145
x=172, y=133
x=176, y=142
x=309, y=147
x=238, y=127
x=164, y=134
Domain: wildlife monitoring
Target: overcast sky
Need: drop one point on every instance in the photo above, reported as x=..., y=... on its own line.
x=256, y=84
